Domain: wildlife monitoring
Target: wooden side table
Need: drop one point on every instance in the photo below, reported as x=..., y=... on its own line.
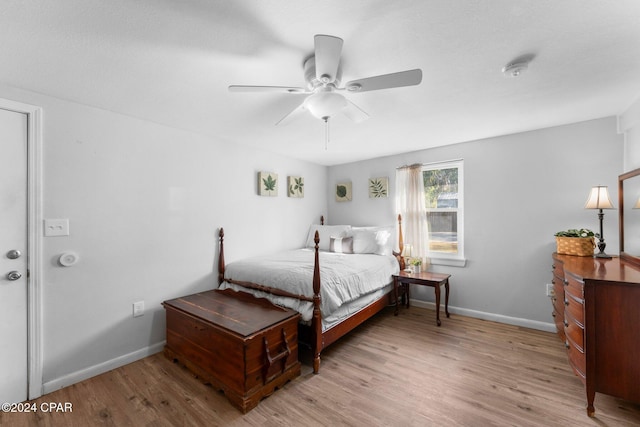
x=425, y=278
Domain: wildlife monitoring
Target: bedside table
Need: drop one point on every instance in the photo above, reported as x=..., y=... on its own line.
x=425, y=278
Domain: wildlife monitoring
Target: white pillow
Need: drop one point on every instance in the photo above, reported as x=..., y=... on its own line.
x=373, y=240
x=326, y=232
x=364, y=242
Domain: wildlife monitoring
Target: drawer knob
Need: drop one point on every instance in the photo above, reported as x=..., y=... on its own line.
x=566, y=324
x=566, y=302
x=566, y=344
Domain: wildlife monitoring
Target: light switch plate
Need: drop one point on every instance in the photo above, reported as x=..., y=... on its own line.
x=56, y=227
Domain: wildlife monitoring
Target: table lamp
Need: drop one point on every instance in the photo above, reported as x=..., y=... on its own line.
x=599, y=199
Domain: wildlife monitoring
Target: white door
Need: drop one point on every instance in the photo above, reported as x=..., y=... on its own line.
x=13, y=256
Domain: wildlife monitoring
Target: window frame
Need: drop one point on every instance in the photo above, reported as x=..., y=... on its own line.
x=444, y=258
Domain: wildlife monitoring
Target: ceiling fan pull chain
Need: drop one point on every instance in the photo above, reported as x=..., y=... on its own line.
x=326, y=133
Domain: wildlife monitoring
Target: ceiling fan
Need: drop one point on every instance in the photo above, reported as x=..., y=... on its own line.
x=322, y=73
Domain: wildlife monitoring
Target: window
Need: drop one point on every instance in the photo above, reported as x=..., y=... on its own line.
x=443, y=192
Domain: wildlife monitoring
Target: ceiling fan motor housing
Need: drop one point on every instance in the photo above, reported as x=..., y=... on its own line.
x=310, y=75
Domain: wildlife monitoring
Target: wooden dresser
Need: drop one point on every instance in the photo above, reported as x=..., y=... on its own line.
x=596, y=308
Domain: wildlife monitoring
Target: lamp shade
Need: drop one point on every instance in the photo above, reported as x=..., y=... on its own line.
x=325, y=104
x=599, y=198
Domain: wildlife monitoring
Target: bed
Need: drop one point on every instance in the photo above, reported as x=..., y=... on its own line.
x=341, y=278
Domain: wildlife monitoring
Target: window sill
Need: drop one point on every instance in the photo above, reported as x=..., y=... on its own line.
x=448, y=262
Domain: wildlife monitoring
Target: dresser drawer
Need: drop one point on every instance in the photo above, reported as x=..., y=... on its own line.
x=558, y=319
x=558, y=270
x=577, y=359
x=558, y=286
x=558, y=304
x=574, y=331
x=574, y=305
x=575, y=285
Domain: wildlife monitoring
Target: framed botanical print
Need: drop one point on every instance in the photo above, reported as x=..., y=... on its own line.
x=378, y=187
x=295, y=186
x=343, y=192
x=267, y=184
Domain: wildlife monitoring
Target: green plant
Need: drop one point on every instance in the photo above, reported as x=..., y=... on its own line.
x=415, y=261
x=573, y=232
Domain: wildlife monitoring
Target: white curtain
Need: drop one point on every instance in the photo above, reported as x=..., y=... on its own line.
x=410, y=204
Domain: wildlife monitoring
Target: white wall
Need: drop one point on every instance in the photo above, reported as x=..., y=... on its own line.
x=519, y=190
x=629, y=125
x=145, y=203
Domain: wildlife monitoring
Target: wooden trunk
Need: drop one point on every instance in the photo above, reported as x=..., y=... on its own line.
x=243, y=345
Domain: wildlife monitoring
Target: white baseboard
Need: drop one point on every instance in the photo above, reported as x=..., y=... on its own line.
x=101, y=368
x=527, y=323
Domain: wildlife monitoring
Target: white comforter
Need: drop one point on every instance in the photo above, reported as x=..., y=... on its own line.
x=344, y=277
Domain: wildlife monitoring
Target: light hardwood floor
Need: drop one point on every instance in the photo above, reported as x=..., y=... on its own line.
x=391, y=371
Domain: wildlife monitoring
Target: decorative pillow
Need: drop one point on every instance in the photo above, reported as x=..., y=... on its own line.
x=341, y=245
x=326, y=232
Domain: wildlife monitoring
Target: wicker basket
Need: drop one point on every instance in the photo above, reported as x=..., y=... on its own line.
x=580, y=246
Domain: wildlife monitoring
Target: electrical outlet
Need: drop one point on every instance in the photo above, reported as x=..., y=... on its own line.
x=138, y=308
x=550, y=291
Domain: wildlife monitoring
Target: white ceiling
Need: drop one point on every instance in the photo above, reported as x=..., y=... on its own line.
x=170, y=62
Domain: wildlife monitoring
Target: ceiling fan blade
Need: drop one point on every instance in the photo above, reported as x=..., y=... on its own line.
x=278, y=89
x=327, y=53
x=386, y=81
x=297, y=112
x=354, y=112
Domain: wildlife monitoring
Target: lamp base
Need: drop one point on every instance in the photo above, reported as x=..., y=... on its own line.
x=601, y=246
x=602, y=255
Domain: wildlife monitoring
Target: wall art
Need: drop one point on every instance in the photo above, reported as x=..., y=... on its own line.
x=379, y=187
x=343, y=192
x=267, y=184
x=295, y=186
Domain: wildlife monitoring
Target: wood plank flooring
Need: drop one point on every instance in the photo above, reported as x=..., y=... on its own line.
x=391, y=371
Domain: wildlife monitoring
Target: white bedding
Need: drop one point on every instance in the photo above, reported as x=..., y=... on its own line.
x=344, y=277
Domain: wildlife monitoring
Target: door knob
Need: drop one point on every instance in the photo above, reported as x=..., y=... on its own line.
x=13, y=254
x=13, y=275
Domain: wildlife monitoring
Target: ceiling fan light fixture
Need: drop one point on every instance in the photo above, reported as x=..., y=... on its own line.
x=325, y=104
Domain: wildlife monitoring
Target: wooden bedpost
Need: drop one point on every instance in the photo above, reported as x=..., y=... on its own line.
x=316, y=321
x=221, y=257
x=398, y=255
x=321, y=219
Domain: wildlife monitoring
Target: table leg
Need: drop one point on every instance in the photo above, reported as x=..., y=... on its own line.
x=446, y=297
x=437, y=289
x=395, y=291
x=406, y=292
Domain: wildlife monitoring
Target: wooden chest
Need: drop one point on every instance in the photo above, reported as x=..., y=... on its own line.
x=240, y=344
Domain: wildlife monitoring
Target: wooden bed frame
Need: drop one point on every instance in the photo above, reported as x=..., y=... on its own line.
x=313, y=334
